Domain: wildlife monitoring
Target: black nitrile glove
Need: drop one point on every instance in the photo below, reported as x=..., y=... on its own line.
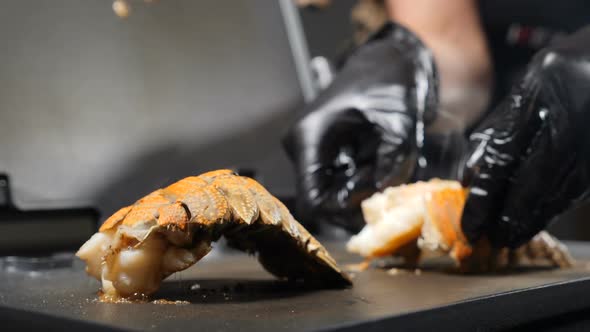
x=530, y=158
x=364, y=131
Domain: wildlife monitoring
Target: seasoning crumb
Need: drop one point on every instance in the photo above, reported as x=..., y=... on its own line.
x=418, y=272
x=164, y=301
x=395, y=271
x=359, y=267
x=121, y=8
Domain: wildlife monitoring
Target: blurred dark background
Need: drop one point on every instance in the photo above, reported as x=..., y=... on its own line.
x=96, y=111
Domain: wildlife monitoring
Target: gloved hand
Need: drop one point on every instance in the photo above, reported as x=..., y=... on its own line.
x=364, y=131
x=529, y=160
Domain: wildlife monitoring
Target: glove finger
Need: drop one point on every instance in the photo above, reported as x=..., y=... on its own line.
x=350, y=174
x=520, y=217
x=325, y=150
x=492, y=156
x=396, y=153
x=341, y=205
x=549, y=178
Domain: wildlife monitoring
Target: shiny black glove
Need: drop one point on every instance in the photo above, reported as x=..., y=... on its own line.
x=365, y=130
x=530, y=158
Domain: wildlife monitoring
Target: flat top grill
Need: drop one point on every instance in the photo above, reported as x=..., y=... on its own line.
x=231, y=291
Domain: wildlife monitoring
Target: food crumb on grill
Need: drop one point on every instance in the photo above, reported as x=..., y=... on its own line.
x=395, y=271
x=164, y=301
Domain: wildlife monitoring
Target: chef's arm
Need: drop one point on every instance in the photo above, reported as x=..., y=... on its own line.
x=452, y=30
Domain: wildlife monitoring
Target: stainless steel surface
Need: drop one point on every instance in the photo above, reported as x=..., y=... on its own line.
x=299, y=49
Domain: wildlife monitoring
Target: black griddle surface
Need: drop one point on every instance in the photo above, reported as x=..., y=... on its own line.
x=230, y=291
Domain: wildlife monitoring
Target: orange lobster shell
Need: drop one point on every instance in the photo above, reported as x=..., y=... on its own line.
x=184, y=218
